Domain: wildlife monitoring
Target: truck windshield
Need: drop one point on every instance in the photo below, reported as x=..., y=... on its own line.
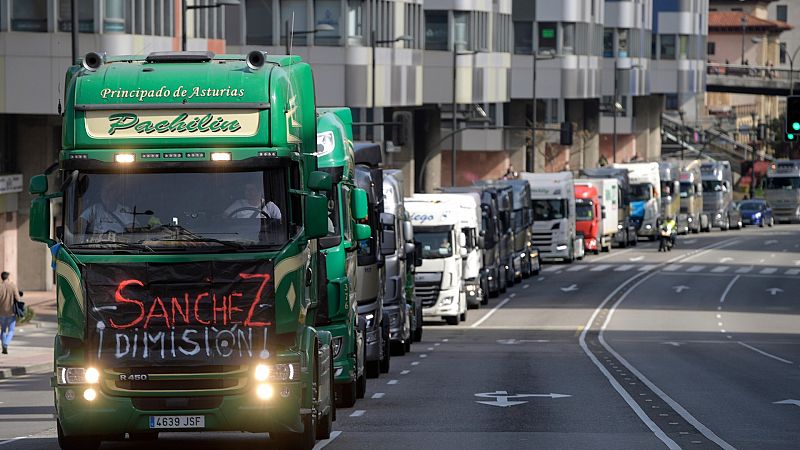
x=787, y=183
x=687, y=189
x=712, y=186
x=552, y=209
x=584, y=210
x=518, y=219
x=435, y=243
x=183, y=211
x=641, y=192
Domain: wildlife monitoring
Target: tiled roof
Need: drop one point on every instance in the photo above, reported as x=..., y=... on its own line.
x=732, y=21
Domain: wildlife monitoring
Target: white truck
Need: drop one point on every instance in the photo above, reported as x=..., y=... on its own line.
x=438, y=281
x=782, y=190
x=608, y=192
x=467, y=207
x=645, y=197
x=553, y=196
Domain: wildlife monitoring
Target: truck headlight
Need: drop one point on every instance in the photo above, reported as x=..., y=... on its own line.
x=561, y=247
x=77, y=375
x=336, y=345
x=619, y=226
x=447, y=301
x=648, y=226
x=718, y=216
x=277, y=372
x=690, y=220
x=370, y=319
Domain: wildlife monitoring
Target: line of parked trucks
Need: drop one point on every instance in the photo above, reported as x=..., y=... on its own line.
x=227, y=258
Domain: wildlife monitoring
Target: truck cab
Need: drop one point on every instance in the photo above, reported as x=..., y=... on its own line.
x=626, y=228
x=717, y=181
x=670, y=194
x=645, y=197
x=782, y=190
x=553, y=198
x=692, y=198
x=437, y=229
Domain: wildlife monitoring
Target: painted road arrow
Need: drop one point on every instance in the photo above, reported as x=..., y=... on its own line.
x=689, y=241
x=774, y=291
x=638, y=258
x=571, y=288
x=788, y=402
x=681, y=288
x=726, y=259
x=501, y=398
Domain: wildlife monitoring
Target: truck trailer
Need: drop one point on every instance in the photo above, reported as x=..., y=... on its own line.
x=607, y=215
x=645, y=197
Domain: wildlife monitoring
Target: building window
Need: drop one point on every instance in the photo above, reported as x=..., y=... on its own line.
x=29, y=15
x=85, y=16
x=114, y=20
x=782, y=12
x=712, y=48
x=328, y=12
x=608, y=43
x=568, y=46
x=783, y=52
x=667, y=46
x=683, y=46
x=294, y=9
x=671, y=102
x=258, y=17
x=548, y=37
x=622, y=43
x=436, y=30
x=461, y=34
x=355, y=22
x=523, y=37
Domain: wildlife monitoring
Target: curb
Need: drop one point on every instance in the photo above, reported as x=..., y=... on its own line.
x=11, y=372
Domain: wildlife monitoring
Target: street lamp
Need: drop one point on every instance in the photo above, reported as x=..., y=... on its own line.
x=744, y=31
x=456, y=54
x=289, y=36
x=547, y=54
x=616, y=106
x=185, y=7
x=405, y=38
x=791, y=69
x=682, y=136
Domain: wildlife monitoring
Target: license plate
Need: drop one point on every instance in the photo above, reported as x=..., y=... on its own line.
x=169, y=422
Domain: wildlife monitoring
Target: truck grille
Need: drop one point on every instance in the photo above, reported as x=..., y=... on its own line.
x=176, y=403
x=191, y=380
x=427, y=293
x=543, y=241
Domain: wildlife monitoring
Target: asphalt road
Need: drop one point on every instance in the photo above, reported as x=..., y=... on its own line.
x=695, y=348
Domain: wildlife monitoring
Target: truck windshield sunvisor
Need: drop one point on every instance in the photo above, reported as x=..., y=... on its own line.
x=785, y=183
x=553, y=209
x=687, y=189
x=710, y=186
x=584, y=210
x=177, y=212
x=436, y=242
x=641, y=192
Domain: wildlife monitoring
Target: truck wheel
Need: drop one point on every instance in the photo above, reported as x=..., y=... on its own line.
x=463, y=316
x=373, y=369
x=384, y=362
x=325, y=423
x=398, y=348
x=304, y=440
x=418, y=330
x=451, y=320
x=361, y=385
x=75, y=442
x=346, y=394
x=407, y=345
x=485, y=297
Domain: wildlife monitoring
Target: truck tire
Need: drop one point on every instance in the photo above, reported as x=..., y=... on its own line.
x=346, y=394
x=451, y=320
x=385, y=361
x=418, y=330
x=463, y=316
x=75, y=442
x=361, y=385
x=373, y=369
x=303, y=440
x=407, y=345
x=325, y=423
x=398, y=348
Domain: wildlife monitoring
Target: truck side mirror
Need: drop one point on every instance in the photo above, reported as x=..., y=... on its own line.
x=481, y=241
x=38, y=185
x=462, y=252
x=408, y=231
x=320, y=181
x=316, y=224
x=417, y=254
x=387, y=219
x=408, y=249
x=363, y=231
x=39, y=221
x=388, y=243
x=359, y=204
x=462, y=240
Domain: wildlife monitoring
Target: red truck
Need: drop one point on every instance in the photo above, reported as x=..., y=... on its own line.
x=588, y=216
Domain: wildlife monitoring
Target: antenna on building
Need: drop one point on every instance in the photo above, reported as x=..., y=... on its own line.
x=291, y=35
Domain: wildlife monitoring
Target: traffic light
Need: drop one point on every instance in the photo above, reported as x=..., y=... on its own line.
x=792, y=118
x=566, y=133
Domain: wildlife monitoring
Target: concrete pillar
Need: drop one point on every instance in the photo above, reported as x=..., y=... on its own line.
x=427, y=150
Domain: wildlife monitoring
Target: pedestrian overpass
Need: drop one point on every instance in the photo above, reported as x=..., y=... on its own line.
x=758, y=80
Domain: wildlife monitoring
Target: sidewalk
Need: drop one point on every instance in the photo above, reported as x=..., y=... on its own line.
x=31, y=349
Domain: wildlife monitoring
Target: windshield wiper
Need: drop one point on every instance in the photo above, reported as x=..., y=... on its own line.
x=232, y=244
x=127, y=245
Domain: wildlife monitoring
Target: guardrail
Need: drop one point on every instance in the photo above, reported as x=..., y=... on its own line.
x=739, y=70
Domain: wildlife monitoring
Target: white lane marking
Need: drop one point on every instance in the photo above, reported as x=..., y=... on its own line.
x=526, y=286
x=744, y=269
x=415, y=363
x=614, y=383
x=793, y=272
x=13, y=440
x=577, y=268
x=638, y=258
x=378, y=395
x=725, y=259
x=423, y=355
x=357, y=413
x=405, y=372
x=512, y=295
x=768, y=270
x=695, y=269
x=727, y=289
x=616, y=253
x=768, y=355
x=672, y=267
x=436, y=344
x=551, y=269
x=445, y=340
x=666, y=398
x=540, y=279
x=321, y=444
x=490, y=313
x=647, y=267
x=624, y=268
x=600, y=267
x=720, y=269
x=430, y=349
x=392, y=382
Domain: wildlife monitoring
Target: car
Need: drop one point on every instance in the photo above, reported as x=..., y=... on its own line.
x=756, y=212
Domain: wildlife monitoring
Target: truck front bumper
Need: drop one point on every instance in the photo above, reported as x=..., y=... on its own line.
x=372, y=312
x=344, y=362
x=474, y=292
x=446, y=305
x=398, y=332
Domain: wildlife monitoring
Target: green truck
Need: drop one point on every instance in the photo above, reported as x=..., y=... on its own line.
x=184, y=237
x=340, y=250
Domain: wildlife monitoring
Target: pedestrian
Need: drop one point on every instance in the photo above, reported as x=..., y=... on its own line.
x=8, y=318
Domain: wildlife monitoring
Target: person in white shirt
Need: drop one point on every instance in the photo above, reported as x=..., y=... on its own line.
x=253, y=202
x=108, y=215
